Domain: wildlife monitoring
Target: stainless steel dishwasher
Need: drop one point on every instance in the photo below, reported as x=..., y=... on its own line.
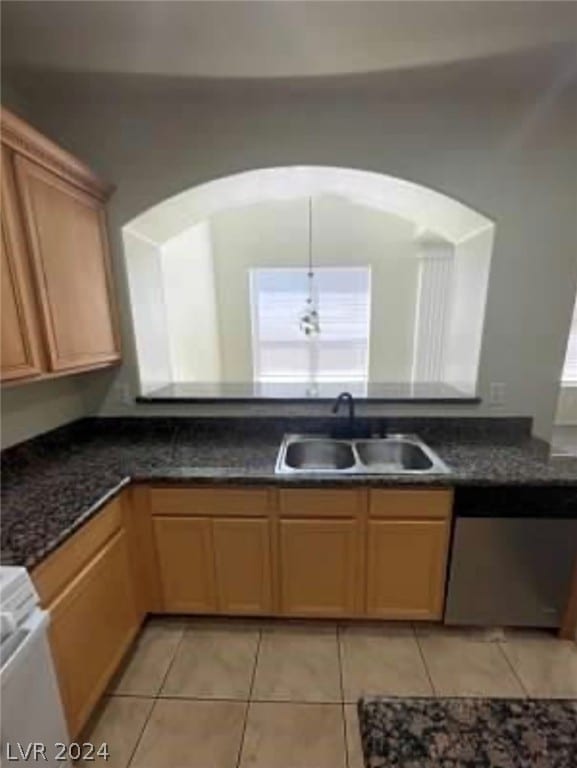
x=512, y=556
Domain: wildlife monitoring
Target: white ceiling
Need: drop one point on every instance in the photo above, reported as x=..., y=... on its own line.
x=272, y=38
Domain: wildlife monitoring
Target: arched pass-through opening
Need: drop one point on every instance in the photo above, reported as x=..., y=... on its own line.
x=218, y=277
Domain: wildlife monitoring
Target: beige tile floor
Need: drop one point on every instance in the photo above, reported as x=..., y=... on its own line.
x=265, y=694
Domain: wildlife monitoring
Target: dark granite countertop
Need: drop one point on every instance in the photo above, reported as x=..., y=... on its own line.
x=290, y=392
x=51, y=485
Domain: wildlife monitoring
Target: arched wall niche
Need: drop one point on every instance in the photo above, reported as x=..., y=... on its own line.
x=190, y=261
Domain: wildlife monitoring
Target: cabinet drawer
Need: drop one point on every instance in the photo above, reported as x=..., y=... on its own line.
x=405, y=504
x=226, y=502
x=54, y=573
x=312, y=502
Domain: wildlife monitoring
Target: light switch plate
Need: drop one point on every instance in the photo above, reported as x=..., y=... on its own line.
x=123, y=392
x=497, y=393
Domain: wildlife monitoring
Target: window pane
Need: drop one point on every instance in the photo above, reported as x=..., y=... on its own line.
x=284, y=360
x=280, y=349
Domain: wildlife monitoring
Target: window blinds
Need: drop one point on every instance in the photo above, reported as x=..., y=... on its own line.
x=282, y=353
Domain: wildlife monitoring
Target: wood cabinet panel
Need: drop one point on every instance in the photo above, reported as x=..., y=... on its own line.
x=319, y=566
x=406, y=568
x=408, y=503
x=59, y=568
x=227, y=502
x=242, y=552
x=315, y=502
x=92, y=623
x=317, y=555
x=25, y=140
x=186, y=564
x=68, y=241
x=142, y=550
x=20, y=345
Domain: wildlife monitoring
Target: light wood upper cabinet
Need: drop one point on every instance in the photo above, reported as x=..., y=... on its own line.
x=67, y=236
x=58, y=308
x=20, y=350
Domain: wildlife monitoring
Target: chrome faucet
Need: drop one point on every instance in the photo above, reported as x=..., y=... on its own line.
x=346, y=397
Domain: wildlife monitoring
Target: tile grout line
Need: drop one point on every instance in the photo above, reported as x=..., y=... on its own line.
x=341, y=665
x=513, y=670
x=170, y=665
x=241, y=700
x=115, y=695
x=424, y=660
x=248, y=702
x=343, y=712
x=141, y=733
x=155, y=698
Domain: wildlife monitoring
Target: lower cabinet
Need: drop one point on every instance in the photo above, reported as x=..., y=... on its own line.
x=319, y=567
x=214, y=564
x=92, y=623
x=309, y=552
x=186, y=565
x=406, y=568
x=243, y=565
x=408, y=539
x=294, y=552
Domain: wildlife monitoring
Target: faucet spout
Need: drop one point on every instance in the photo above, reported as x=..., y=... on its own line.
x=346, y=397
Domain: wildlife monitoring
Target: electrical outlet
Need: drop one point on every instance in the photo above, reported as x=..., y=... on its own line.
x=497, y=393
x=123, y=392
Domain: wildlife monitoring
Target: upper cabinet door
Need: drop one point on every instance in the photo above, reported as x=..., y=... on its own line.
x=68, y=241
x=20, y=357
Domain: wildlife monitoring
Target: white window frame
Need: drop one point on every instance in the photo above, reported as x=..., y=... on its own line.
x=569, y=372
x=255, y=338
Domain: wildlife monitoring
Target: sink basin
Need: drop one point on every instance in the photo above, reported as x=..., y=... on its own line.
x=319, y=455
x=393, y=455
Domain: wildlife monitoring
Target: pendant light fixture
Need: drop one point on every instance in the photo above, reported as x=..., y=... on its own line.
x=309, y=321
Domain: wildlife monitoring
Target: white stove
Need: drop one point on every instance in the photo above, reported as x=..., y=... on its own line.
x=32, y=723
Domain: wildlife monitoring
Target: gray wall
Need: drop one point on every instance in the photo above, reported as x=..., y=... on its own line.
x=504, y=146
x=33, y=408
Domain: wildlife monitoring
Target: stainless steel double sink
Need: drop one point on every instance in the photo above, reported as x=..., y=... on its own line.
x=391, y=455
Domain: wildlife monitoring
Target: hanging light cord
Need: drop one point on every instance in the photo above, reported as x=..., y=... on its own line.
x=310, y=238
x=311, y=273
x=309, y=320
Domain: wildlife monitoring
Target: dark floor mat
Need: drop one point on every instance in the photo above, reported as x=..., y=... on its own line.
x=468, y=733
